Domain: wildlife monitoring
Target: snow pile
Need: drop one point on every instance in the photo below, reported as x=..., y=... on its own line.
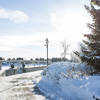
x=72, y=80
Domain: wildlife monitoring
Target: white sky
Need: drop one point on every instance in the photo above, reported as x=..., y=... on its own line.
x=25, y=24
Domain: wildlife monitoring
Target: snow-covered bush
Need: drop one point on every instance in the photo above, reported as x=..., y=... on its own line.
x=73, y=79
x=72, y=70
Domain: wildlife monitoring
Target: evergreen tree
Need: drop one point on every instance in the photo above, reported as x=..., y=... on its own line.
x=90, y=49
x=96, y=2
x=19, y=58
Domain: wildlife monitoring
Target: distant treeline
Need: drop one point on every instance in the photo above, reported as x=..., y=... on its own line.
x=54, y=59
x=19, y=58
x=59, y=59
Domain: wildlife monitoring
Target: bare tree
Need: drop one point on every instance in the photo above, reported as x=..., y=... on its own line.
x=65, y=47
x=13, y=58
x=74, y=58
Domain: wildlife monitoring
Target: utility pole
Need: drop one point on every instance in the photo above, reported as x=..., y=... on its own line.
x=47, y=42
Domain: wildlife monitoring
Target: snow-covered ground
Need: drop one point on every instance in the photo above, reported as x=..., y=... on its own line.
x=59, y=81
x=20, y=87
x=72, y=81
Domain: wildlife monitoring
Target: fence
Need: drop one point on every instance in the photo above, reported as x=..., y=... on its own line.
x=15, y=71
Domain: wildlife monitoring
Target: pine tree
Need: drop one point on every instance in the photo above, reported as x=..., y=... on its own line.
x=90, y=49
x=96, y=2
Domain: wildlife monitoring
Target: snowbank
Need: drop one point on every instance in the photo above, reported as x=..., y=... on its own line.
x=72, y=80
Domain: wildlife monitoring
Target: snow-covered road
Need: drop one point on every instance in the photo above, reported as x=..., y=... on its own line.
x=20, y=87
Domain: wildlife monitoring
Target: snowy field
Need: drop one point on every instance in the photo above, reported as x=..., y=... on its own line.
x=59, y=81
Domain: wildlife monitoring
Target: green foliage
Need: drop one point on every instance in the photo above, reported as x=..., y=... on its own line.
x=37, y=59
x=9, y=59
x=90, y=51
x=55, y=59
x=41, y=59
x=96, y=2
x=1, y=58
x=31, y=59
x=19, y=58
x=13, y=58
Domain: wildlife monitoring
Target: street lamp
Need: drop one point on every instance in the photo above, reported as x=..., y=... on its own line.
x=47, y=42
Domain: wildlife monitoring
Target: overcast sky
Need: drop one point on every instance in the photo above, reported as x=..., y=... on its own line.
x=25, y=25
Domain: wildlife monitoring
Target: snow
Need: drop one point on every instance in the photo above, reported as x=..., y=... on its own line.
x=97, y=57
x=73, y=83
x=5, y=66
x=59, y=81
x=20, y=87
